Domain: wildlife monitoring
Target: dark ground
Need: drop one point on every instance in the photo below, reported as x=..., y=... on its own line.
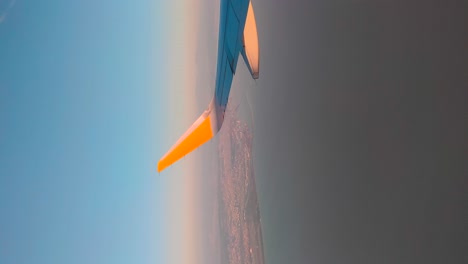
x=361, y=139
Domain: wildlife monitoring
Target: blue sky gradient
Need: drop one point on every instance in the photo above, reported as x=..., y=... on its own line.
x=81, y=101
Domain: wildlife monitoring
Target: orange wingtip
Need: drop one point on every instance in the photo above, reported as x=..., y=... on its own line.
x=199, y=133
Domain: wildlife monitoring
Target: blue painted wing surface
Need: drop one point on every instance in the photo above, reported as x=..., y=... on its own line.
x=233, y=14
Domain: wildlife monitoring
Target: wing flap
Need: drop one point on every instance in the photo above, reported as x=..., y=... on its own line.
x=251, y=51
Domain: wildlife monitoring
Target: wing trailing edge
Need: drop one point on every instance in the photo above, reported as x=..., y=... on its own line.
x=204, y=128
x=251, y=51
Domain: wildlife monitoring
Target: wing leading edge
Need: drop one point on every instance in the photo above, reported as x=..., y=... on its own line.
x=237, y=34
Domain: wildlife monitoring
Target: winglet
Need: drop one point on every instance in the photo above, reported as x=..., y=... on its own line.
x=200, y=132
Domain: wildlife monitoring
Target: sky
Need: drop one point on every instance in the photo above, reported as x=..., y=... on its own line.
x=91, y=96
x=84, y=91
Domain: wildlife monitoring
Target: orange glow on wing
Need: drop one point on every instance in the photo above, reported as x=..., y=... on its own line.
x=199, y=133
x=251, y=41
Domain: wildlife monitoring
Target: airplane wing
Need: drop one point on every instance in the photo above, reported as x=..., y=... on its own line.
x=237, y=34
